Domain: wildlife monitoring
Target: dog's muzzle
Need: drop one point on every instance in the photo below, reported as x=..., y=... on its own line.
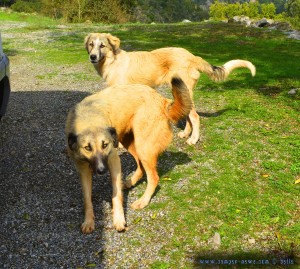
x=93, y=58
x=99, y=165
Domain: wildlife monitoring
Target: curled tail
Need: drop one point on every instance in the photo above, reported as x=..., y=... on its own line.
x=182, y=103
x=220, y=73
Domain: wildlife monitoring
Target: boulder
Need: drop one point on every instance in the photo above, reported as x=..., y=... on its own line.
x=262, y=23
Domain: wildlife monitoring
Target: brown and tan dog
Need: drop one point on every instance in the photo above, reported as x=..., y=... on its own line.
x=138, y=117
x=155, y=68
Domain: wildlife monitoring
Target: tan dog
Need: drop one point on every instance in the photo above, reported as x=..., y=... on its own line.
x=138, y=117
x=155, y=68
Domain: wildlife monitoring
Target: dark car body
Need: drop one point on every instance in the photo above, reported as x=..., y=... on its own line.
x=4, y=81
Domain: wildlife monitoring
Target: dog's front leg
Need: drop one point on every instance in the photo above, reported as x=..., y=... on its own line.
x=85, y=172
x=114, y=164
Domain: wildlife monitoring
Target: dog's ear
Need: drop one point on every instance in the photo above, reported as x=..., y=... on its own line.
x=114, y=135
x=114, y=42
x=72, y=141
x=86, y=42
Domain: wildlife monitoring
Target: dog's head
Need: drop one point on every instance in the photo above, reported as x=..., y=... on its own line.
x=99, y=46
x=93, y=147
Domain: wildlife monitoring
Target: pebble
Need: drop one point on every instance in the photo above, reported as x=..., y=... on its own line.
x=293, y=91
x=251, y=241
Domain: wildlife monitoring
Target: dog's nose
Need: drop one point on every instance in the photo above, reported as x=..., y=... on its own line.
x=93, y=57
x=101, y=171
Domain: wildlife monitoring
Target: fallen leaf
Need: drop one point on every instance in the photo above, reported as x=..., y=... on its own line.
x=154, y=216
x=166, y=178
x=91, y=265
x=26, y=216
x=275, y=220
x=137, y=220
x=265, y=175
x=278, y=236
x=297, y=181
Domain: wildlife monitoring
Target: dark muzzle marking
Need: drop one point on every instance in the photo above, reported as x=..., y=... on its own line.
x=99, y=164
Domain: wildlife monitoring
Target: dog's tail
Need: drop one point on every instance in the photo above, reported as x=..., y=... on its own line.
x=182, y=103
x=220, y=73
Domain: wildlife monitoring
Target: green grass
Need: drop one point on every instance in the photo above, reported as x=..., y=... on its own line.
x=33, y=21
x=239, y=180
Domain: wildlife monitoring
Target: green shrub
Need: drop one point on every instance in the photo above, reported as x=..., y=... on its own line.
x=268, y=10
x=252, y=10
x=233, y=10
x=224, y=10
x=218, y=10
x=27, y=7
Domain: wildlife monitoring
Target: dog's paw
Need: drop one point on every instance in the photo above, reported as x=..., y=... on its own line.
x=88, y=227
x=139, y=204
x=192, y=140
x=127, y=184
x=120, y=224
x=183, y=134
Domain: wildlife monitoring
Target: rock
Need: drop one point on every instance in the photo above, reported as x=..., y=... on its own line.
x=186, y=21
x=215, y=241
x=294, y=34
x=251, y=241
x=264, y=22
x=235, y=19
x=284, y=26
x=293, y=91
x=242, y=20
x=271, y=24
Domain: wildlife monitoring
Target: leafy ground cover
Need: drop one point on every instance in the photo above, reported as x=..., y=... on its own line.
x=240, y=181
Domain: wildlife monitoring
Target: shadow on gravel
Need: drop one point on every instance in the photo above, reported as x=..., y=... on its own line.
x=41, y=203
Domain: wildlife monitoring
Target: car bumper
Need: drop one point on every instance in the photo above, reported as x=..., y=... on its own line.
x=4, y=84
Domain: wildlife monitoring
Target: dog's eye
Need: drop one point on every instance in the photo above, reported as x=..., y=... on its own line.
x=88, y=148
x=102, y=46
x=92, y=44
x=104, y=145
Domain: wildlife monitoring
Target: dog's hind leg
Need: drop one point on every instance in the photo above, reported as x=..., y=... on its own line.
x=88, y=225
x=187, y=129
x=114, y=165
x=193, y=120
x=152, y=182
x=139, y=170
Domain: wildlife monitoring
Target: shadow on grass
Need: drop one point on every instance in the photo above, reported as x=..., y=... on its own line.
x=166, y=163
x=181, y=123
